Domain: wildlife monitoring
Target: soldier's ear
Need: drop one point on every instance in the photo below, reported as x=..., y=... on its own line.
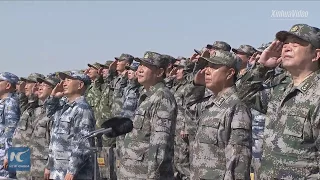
x=230, y=73
x=81, y=85
x=161, y=72
x=8, y=85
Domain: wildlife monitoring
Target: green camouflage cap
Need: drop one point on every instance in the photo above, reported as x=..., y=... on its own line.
x=225, y=58
x=185, y=64
x=154, y=59
x=201, y=51
x=302, y=31
x=96, y=65
x=179, y=58
x=52, y=80
x=125, y=57
x=219, y=45
x=32, y=77
x=263, y=47
x=107, y=64
x=170, y=59
x=247, y=49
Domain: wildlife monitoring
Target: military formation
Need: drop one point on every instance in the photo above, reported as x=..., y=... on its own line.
x=224, y=113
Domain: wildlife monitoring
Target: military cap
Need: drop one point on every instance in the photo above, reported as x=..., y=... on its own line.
x=247, y=49
x=75, y=75
x=107, y=64
x=32, y=77
x=179, y=58
x=185, y=64
x=219, y=45
x=96, y=65
x=263, y=47
x=11, y=78
x=154, y=59
x=225, y=58
x=123, y=57
x=134, y=66
x=201, y=51
x=170, y=59
x=52, y=80
x=302, y=31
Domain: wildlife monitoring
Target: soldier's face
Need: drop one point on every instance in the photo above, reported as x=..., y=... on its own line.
x=105, y=72
x=131, y=74
x=147, y=74
x=244, y=57
x=297, y=54
x=179, y=74
x=44, y=90
x=71, y=86
x=29, y=88
x=93, y=73
x=216, y=76
x=121, y=65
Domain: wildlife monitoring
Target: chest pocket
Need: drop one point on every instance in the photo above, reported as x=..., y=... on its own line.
x=294, y=125
x=208, y=133
x=23, y=123
x=41, y=129
x=64, y=126
x=139, y=119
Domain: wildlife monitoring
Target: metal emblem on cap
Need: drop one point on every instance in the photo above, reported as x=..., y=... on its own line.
x=294, y=29
x=146, y=55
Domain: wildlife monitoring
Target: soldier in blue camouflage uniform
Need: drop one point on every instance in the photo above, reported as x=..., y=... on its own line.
x=22, y=134
x=148, y=149
x=69, y=154
x=222, y=145
x=9, y=116
x=40, y=135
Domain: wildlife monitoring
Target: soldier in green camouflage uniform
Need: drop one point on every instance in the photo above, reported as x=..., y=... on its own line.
x=22, y=133
x=40, y=136
x=93, y=93
x=244, y=52
x=291, y=135
x=222, y=146
x=120, y=82
x=185, y=94
x=170, y=71
x=148, y=152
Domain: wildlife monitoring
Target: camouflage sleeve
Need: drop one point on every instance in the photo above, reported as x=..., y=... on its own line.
x=50, y=158
x=238, y=149
x=11, y=116
x=130, y=103
x=52, y=104
x=162, y=130
x=84, y=124
x=23, y=101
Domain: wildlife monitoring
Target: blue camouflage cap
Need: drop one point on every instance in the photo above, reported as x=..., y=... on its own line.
x=11, y=78
x=134, y=66
x=79, y=75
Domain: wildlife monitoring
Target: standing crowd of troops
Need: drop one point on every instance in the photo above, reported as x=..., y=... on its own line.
x=224, y=113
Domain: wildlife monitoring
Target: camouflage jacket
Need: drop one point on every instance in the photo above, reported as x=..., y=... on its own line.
x=93, y=93
x=22, y=133
x=118, y=85
x=40, y=140
x=9, y=118
x=130, y=97
x=222, y=146
x=148, y=149
x=72, y=121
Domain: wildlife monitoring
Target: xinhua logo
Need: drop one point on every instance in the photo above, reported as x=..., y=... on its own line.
x=19, y=159
x=289, y=14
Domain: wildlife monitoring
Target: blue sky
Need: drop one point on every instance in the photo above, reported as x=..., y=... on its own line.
x=46, y=37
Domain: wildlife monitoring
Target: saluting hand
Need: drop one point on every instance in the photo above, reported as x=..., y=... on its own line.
x=58, y=90
x=69, y=177
x=270, y=57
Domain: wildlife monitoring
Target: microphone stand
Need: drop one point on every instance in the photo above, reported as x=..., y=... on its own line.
x=97, y=137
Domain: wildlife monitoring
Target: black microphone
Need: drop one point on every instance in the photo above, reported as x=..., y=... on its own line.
x=119, y=126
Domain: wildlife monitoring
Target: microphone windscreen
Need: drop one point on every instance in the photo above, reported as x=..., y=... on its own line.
x=119, y=125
